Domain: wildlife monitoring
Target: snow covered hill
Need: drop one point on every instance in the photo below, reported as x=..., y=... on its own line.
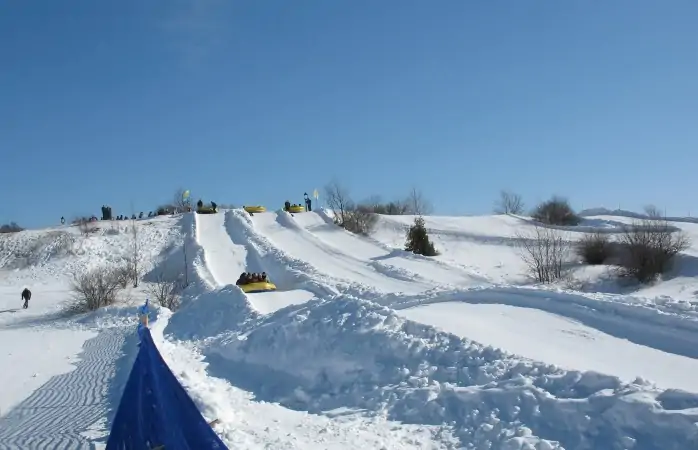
x=363, y=345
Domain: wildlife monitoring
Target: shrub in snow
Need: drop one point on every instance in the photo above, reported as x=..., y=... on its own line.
x=11, y=227
x=418, y=239
x=167, y=291
x=96, y=288
x=359, y=219
x=649, y=248
x=556, y=211
x=595, y=248
x=545, y=254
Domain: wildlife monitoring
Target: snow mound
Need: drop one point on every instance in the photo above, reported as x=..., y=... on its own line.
x=357, y=354
x=212, y=313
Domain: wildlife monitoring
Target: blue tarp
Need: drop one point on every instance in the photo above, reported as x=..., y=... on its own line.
x=155, y=411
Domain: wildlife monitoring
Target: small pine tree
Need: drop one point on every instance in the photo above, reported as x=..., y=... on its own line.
x=418, y=239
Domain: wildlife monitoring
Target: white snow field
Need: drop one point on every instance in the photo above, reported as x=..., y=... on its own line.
x=362, y=345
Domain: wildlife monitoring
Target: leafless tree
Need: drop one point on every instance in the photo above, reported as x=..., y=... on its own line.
x=167, y=291
x=417, y=204
x=133, y=260
x=338, y=201
x=374, y=202
x=179, y=202
x=95, y=289
x=649, y=248
x=394, y=208
x=509, y=203
x=545, y=253
x=653, y=212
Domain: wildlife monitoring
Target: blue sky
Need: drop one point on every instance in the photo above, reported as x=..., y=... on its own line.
x=249, y=102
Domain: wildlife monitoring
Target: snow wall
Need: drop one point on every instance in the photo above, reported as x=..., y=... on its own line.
x=155, y=411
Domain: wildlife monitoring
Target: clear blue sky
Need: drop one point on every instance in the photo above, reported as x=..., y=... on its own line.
x=254, y=102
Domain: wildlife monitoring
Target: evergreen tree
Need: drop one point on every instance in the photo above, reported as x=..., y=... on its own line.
x=418, y=239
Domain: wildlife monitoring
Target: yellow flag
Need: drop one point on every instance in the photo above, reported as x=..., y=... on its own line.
x=316, y=194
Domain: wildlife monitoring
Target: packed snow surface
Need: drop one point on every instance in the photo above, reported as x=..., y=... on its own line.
x=362, y=345
x=558, y=340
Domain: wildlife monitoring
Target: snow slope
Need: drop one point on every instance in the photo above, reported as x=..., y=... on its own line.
x=62, y=376
x=558, y=340
x=363, y=345
x=226, y=260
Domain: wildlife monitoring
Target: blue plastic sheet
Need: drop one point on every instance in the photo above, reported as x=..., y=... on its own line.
x=155, y=411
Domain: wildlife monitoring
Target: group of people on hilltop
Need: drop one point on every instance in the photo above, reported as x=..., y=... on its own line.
x=200, y=204
x=308, y=204
x=106, y=212
x=247, y=278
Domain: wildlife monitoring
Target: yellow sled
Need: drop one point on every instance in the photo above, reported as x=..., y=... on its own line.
x=264, y=286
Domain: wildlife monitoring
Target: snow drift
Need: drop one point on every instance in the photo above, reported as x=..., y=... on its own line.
x=358, y=354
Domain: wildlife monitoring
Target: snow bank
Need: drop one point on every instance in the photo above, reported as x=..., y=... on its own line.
x=211, y=313
x=356, y=354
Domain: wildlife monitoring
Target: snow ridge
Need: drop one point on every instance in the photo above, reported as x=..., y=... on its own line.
x=357, y=354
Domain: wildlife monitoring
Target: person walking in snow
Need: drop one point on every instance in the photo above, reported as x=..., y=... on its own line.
x=26, y=296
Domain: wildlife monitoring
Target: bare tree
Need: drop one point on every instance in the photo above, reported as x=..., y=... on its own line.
x=394, y=208
x=417, y=204
x=178, y=201
x=167, y=291
x=653, y=212
x=545, y=253
x=133, y=260
x=509, y=203
x=338, y=200
x=649, y=248
x=374, y=202
x=95, y=289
